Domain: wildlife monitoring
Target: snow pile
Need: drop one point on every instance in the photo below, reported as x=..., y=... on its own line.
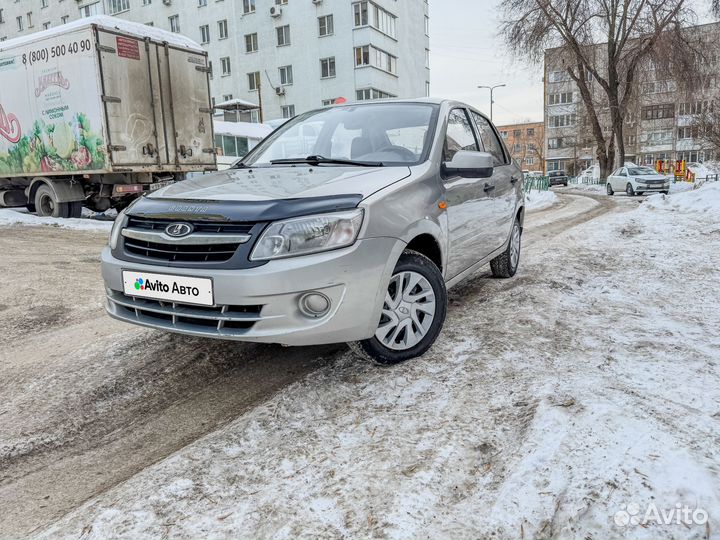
x=537, y=200
x=15, y=217
x=591, y=188
x=704, y=200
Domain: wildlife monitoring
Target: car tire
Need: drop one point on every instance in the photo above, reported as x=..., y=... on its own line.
x=610, y=191
x=629, y=190
x=664, y=192
x=75, y=209
x=392, y=342
x=506, y=264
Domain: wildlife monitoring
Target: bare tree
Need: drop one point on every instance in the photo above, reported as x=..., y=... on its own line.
x=604, y=42
x=708, y=124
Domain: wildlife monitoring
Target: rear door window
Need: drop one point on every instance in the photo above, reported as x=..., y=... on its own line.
x=489, y=139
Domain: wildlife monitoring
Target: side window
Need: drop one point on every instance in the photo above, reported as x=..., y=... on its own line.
x=623, y=172
x=459, y=135
x=489, y=140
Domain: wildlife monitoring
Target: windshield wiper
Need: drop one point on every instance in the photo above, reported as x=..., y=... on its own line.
x=317, y=160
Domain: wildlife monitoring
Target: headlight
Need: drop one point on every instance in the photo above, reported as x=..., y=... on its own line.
x=118, y=225
x=305, y=235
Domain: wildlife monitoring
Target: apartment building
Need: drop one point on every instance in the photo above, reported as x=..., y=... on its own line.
x=658, y=124
x=289, y=56
x=526, y=144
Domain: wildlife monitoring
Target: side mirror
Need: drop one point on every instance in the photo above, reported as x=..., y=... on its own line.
x=469, y=164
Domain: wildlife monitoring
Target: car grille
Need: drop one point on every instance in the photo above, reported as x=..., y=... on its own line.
x=220, y=320
x=145, y=238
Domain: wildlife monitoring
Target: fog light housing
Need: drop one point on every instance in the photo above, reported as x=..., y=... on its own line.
x=314, y=304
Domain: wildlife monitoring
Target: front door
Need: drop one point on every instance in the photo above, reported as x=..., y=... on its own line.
x=505, y=178
x=469, y=201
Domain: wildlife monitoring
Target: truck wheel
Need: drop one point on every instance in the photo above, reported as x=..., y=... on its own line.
x=506, y=264
x=413, y=312
x=47, y=205
x=75, y=210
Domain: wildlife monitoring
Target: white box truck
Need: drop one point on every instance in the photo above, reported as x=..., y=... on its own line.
x=95, y=112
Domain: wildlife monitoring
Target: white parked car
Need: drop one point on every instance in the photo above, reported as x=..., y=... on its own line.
x=591, y=175
x=635, y=180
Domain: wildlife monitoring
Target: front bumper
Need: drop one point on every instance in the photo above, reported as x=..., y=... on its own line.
x=652, y=187
x=261, y=304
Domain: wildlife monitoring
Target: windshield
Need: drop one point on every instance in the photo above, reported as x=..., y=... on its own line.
x=642, y=171
x=382, y=133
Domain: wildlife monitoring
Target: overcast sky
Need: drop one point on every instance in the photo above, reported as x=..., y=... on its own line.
x=466, y=52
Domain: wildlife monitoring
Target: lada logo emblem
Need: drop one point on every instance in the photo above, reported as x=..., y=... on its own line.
x=177, y=230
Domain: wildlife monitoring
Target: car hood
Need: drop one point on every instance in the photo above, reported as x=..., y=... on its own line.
x=651, y=177
x=272, y=183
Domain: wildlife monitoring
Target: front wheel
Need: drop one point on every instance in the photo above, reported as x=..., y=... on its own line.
x=629, y=190
x=506, y=264
x=413, y=312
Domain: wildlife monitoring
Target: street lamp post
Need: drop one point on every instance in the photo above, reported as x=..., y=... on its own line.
x=492, y=89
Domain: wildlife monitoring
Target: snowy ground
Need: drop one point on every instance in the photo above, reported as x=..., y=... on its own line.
x=559, y=404
x=20, y=217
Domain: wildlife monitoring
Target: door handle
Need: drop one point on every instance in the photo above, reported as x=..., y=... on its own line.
x=514, y=179
x=488, y=187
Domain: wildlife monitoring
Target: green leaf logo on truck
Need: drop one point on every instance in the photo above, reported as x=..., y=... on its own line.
x=52, y=147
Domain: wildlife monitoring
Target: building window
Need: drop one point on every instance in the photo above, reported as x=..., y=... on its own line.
x=225, y=64
x=327, y=67
x=231, y=146
x=562, y=120
x=529, y=161
x=174, y=23
x=655, y=112
x=560, y=98
x=146, y=2
x=20, y=23
x=504, y=134
x=248, y=6
x=372, y=93
x=251, y=42
x=227, y=97
x=118, y=6
x=223, y=29
x=360, y=10
x=530, y=132
x=362, y=56
x=328, y=102
x=91, y=9
x=202, y=3
x=1, y=16
x=288, y=111
x=659, y=137
x=688, y=132
x=283, y=35
x=326, y=25
x=517, y=132
x=281, y=2
x=427, y=88
x=46, y=25
x=253, y=81
x=286, y=75
x=64, y=19
x=368, y=55
x=29, y=19
x=205, y=34
x=368, y=13
x=427, y=25
x=44, y=4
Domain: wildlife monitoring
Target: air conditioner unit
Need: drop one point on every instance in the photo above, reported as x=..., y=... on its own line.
x=280, y=91
x=275, y=11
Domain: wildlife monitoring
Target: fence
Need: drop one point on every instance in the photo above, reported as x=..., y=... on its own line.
x=537, y=183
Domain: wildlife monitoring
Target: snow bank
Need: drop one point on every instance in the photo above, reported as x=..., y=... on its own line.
x=704, y=200
x=592, y=188
x=537, y=200
x=16, y=217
